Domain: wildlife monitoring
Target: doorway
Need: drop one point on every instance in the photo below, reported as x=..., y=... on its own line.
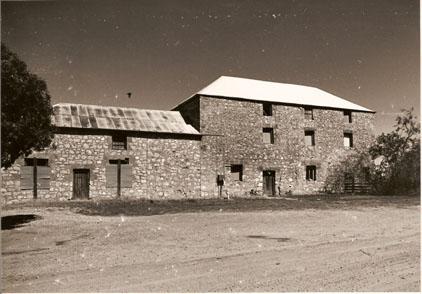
x=80, y=184
x=269, y=182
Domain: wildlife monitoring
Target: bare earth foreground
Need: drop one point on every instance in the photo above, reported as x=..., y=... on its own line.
x=296, y=244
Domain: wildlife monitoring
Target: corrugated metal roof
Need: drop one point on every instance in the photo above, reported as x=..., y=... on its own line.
x=119, y=118
x=249, y=89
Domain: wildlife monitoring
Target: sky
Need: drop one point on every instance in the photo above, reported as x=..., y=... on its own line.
x=94, y=52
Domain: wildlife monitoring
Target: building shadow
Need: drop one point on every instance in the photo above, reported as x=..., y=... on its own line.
x=11, y=222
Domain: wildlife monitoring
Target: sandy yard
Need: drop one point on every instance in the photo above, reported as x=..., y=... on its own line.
x=327, y=248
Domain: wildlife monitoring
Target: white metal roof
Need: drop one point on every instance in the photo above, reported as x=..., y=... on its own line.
x=70, y=115
x=233, y=87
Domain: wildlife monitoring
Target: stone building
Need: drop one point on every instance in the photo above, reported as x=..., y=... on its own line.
x=272, y=138
x=236, y=137
x=110, y=152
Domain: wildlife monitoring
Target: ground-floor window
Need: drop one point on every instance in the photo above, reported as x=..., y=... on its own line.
x=237, y=171
x=311, y=173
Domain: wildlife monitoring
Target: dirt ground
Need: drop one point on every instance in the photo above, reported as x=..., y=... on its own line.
x=293, y=244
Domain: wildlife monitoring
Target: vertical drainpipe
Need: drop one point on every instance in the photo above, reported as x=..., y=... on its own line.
x=223, y=163
x=119, y=176
x=35, y=179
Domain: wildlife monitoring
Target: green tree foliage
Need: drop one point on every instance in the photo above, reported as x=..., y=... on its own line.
x=398, y=153
x=25, y=110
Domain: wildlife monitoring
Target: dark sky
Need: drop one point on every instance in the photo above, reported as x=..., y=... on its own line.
x=163, y=51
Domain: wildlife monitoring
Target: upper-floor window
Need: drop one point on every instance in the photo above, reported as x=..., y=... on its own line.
x=267, y=109
x=348, y=139
x=119, y=142
x=311, y=173
x=237, y=171
x=268, y=135
x=347, y=115
x=309, y=113
x=310, y=138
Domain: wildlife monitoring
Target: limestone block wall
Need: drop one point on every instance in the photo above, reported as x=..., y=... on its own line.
x=171, y=168
x=236, y=132
x=161, y=167
x=11, y=185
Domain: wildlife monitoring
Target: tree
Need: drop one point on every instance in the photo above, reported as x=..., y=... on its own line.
x=398, y=153
x=391, y=165
x=25, y=110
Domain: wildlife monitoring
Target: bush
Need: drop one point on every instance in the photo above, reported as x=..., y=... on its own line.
x=391, y=165
x=357, y=165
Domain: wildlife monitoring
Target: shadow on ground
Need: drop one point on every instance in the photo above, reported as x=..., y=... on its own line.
x=278, y=239
x=157, y=207
x=10, y=222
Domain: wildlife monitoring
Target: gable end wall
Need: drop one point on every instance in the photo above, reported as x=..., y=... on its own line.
x=237, y=126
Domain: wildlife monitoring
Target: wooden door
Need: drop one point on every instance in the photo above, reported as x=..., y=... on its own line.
x=269, y=182
x=80, y=183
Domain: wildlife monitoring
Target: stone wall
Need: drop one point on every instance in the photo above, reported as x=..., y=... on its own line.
x=237, y=131
x=165, y=166
x=161, y=167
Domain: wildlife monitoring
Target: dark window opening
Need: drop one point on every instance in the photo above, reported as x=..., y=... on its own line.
x=267, y=109
x=122, y=161
x=310, y=138
x=119, y=142
x=347, y=114
x=40, y=162
x=237, y=171
x=348, y=140
x=309, y=113
x=268, y=135
x=311, y=173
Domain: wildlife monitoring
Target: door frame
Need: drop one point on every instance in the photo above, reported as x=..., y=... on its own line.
x=87, y=171
x=272, y=173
